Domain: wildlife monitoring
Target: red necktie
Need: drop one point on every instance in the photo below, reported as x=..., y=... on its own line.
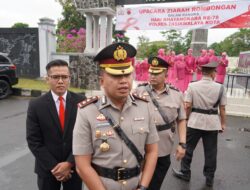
x=61, y=112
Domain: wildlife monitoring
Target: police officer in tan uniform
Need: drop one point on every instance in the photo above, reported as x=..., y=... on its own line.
x=203, y=98
x=168, y=113
x=106, y=160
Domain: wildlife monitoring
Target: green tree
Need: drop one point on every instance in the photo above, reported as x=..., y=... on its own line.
x=72, y=19
x=234, y=44
x=20, y=25
x=176, y=41
x=146, y=49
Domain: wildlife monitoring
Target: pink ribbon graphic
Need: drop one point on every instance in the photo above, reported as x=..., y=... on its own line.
x=131, y=22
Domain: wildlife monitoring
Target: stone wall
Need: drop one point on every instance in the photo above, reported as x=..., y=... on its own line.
x=22, y=47
x=84, y=72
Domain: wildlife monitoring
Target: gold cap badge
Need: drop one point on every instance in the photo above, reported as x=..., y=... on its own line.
x=120, y=53
x=155, y=62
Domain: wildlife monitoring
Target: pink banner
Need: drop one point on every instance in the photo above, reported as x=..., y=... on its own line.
x=229, y=14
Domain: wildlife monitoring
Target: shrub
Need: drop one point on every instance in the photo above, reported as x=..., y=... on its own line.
x=71, y=41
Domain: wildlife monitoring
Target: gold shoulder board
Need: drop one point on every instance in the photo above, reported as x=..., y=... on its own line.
x=136, y=96
x=88, y=101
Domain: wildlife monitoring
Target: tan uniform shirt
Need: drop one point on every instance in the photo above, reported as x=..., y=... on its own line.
x=136, y=122
x=204, y=94
x=171, y=102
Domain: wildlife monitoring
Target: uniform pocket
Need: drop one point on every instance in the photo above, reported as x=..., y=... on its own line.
x=140, y=131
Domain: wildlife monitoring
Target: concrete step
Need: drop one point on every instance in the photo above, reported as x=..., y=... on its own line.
x=238, y=103
x=238, y=110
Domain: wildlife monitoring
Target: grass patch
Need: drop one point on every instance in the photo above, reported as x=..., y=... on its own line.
x=34, y=84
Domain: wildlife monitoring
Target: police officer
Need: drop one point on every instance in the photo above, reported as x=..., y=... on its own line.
x=115, y=132
x=168, y=112
x=202, y=101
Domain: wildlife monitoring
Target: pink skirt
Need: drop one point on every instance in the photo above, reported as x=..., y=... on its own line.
x=220, y=78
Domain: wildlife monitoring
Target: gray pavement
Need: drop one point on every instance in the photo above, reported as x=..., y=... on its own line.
x=16, y=162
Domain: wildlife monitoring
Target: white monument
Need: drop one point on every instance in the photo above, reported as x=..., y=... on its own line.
x=99, y=15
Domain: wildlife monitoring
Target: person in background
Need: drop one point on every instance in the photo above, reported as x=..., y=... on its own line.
x=190, y=67
x=113, y=134
x=168, y=113
x=180, y=72
x=144, y=70
x=211, y=56
x=138, y=71
x=171, y=62
x=161, y=53
x=221, y=69
x=49, y=127
x=201, y=60
x=203, y=100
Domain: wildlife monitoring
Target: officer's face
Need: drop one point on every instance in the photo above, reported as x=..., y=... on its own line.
x=116, y=87
x=157, y=78
x=58, y=79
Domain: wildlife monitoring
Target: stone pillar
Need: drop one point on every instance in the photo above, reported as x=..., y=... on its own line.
x=199, y=40
x=89, y=33
x=103, y=30
x=47, y=42
x=96, y=37
x=109, y=29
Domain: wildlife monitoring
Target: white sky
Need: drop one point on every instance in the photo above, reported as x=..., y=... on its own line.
x=30, y=11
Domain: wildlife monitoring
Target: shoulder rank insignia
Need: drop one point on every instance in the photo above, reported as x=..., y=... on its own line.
x=136, y=96
x=87, y=102
x=174, y=88
x=142, y=84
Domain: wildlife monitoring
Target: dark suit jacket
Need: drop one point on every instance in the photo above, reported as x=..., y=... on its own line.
x=45, y=138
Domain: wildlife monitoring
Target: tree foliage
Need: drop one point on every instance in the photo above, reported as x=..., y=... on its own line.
x=146, y=49
x=234, y=44
x=174, y=41
x=72, y=19
x=20, y=25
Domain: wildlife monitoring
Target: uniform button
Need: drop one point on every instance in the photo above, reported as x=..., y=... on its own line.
x=158, y=97
x=156, y=109
x=125, y=161
x=124, y=182
x=141, y=129
x=122, y=118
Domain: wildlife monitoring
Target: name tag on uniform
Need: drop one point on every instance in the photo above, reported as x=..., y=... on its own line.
x=105, y=124
x=139, y=118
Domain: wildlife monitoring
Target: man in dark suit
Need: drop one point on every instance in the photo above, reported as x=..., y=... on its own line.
x=50, y=122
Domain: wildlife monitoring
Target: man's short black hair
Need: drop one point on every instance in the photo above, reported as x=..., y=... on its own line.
x=56, y=62
x=207, y=70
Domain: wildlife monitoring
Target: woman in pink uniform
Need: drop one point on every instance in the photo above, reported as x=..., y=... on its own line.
x=212, y=57
x=221, y=68
x=161, y=53
x=180, y=72
x=144, y=70
x=137, y=71
x=171, y=62
x=190, y=67
x=201, y=60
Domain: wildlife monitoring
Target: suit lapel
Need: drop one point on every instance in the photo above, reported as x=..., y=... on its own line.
x=52, y=108
x=68, y=109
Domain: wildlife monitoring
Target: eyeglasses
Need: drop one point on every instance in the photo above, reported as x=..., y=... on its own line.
x=58, y=77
